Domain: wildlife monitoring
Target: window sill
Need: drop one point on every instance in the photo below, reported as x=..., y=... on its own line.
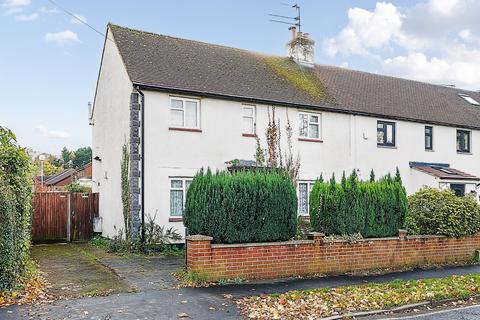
x=310, y=140
x=250, y=135
x=184, y=129
x=386, y=147
x=464, y=152
x=429, y=150
x=175, y=219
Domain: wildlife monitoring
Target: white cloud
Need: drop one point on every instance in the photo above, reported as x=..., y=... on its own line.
x=62, y=37
x=78, y=18
x=16, y=3
x=459, y=66
x=45, y=132
x=29, y=17
x=366, y=30
x=435, y=41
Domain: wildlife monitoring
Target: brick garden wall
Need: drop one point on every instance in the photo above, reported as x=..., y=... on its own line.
x=315, y=256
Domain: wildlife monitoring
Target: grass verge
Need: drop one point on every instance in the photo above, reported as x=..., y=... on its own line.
x=325, y=302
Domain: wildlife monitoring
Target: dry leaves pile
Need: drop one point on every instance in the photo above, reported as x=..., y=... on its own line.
x=313, y=304
x=32, y=289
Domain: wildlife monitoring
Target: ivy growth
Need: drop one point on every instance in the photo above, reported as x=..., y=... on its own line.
x=16, y=173
x=125, y=185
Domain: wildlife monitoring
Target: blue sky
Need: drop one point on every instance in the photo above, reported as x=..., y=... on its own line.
x=49, y=62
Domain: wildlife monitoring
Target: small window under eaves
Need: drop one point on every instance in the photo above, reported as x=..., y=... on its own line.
x=469, y=99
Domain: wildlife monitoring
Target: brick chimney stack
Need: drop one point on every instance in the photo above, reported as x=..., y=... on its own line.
x=301, y=48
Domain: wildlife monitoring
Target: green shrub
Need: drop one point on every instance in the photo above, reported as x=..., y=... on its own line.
x=15, y=209
x=242, y=206
x=371, y=208
x=432, y=211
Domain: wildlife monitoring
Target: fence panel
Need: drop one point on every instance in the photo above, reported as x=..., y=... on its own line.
x=61, y=216
x=50, y=216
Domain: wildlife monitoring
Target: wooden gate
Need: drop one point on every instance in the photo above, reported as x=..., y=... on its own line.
x=63, y=216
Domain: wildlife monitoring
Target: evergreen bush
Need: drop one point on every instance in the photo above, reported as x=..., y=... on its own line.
x=441, y=212
x=15, y=209
x=244, y=206
x=371, y=208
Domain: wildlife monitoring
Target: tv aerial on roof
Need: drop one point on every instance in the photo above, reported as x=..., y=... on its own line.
x=292, y=21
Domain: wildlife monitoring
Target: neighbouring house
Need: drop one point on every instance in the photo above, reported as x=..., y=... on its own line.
x=180, y=105
x=59, y=181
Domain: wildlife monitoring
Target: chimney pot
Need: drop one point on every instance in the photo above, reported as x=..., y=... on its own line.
x=301, y=48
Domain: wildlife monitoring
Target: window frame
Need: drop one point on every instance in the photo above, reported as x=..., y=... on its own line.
x=430, y=134
x=253, y=117
x=458, y=188
x=459, y=147
x=308, y=114
x=184, y=100
x=385, y=133
x=309, y=184
x=184, y=190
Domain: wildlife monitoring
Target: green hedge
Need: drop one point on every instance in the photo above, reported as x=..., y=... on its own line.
x=371, y=208
x=242, y=206
x=15, y=209
x=432, y=211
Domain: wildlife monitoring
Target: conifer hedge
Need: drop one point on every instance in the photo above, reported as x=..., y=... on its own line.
x=15, y=209
x=372, y=208
x=244, y=206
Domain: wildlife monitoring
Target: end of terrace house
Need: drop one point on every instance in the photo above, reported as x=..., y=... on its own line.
x=179, y=105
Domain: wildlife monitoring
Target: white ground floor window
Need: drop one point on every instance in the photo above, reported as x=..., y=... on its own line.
x=178, y=194
x=304, y=189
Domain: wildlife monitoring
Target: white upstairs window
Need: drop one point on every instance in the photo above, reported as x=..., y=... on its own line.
x=184, y=113
x=309, y=125
x=248, y=119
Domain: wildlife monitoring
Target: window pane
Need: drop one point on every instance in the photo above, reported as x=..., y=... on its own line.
x=302, y=198
x=187, y=184
x=313, y=131
x=467, y=141
x=428, y=142
x=248, y=111
x=177, y=104
x=389, y=133
x=178, y=184
x=380, y=136
x=314, y=119
x=176, y=117
x=176, y=202
x=191, y=114
x=303, y=125
x=248, y=125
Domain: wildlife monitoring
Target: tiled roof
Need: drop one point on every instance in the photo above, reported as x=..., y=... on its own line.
x=168, y=63
x=60, y=176
x=443, y=171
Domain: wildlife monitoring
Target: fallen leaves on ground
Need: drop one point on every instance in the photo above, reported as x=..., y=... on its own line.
x=30, y=290
x=325, y=302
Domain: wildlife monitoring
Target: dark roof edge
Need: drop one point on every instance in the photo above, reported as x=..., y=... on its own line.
x=460, y=178
x=289, y=104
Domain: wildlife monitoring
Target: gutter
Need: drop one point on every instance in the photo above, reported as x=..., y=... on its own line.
x=325, y=107
x=142, y=160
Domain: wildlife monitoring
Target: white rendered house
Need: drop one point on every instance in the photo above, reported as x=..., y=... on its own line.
x=181, y=105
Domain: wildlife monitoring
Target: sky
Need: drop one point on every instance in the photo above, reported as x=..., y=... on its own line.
x=49, y=61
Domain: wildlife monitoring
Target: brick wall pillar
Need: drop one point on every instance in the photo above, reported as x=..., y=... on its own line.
x=317, y=237
x=199, y=252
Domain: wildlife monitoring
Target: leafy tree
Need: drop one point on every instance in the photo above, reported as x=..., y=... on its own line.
x=67, y=158
x=82, y=157
x=75, y=186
